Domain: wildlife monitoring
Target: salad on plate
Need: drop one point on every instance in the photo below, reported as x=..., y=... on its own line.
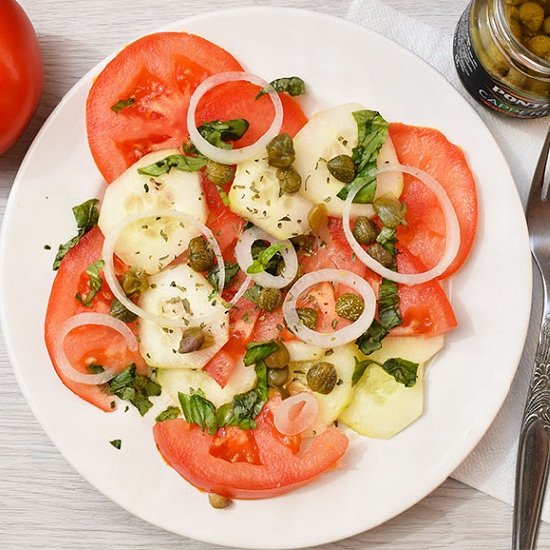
x=260, y=283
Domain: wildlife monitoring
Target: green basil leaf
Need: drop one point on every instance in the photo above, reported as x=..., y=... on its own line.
x=184, y=163
x=198, y=410
x=253, y=293
x=389, y=312
x=135, y=388
x=122, y=104
x=168, y=414
x=258, y=351
x=402, y=370
x=116, y=443
x=95, y=282
x=230, y=271
x=95, y=369
x=372, y=133
x=371, y=340
x=86, y=216
x=261, y=263
x=120, y=311
x=292, y=85
x=218, y=132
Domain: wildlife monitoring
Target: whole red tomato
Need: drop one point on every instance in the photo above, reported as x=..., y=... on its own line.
x=21, y=72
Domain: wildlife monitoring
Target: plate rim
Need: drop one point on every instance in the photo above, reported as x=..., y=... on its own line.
x=405, y=504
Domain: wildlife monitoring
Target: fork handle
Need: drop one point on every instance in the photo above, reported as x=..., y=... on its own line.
x=533, y=459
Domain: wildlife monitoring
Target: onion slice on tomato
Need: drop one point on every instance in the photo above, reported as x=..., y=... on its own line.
x=110, y=276
x=243, y=255
x=296, y=414
x=338, y=337
x=239, y=294
x=84, y=319
x=452, y=230
x=232, y=156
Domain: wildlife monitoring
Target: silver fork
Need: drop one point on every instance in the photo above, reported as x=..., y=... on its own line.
x=533, y=458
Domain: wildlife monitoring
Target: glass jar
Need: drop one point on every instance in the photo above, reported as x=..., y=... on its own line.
x=494, y=65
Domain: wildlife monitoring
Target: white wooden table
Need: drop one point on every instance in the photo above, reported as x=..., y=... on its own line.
x=44, y=503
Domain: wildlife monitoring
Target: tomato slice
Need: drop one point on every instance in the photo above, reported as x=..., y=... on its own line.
x=424, y=235
x=190, y=452
x=425, y=309
x=90, y=344
x=159, y=73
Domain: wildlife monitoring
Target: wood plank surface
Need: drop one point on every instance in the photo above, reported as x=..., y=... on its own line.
x=44, y=503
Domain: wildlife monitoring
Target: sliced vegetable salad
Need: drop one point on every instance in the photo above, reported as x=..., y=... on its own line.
x=256, y=278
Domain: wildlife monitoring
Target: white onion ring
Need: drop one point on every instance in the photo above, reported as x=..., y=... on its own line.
x=305, y=418
x=338, y=337
x=83, y=319
x=452, y=230
x=239, y=294
x=243, y=255
x=114, y=285
x=232, y=156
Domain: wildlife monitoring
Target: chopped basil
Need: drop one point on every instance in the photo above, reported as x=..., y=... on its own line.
x=198, y=410
x=292, y=85
x=95, y=369
x=86, y=216
x=371, y=340
x=258, y=251
x=258, y=351
x=95, y=283
x=372, y=133
x=402, y=370
x=387, y=238
x=253, y=293
x=230, y=271
x=122, y=104
x=169, y=413
x=120, y=311
x=179, y=162
x=135, y=388
x=388, y=304
x=218, y=132
x=116, y=443
x=261, y=263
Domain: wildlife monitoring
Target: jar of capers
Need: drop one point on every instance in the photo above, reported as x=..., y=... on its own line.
x=502, y=55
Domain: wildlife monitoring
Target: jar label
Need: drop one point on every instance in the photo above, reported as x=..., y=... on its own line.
x=483, y=87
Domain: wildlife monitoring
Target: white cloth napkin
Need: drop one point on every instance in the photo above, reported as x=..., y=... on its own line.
x=491, y=466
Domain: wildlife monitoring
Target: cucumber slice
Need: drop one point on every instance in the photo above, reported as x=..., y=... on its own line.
x=328, y=134
x=179, y=292
x=152, y=244
x=332, y=404
x=382, y=407
x=255, y=196
x=184, y=380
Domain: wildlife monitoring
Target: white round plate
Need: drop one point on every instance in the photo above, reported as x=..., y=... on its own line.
x=340, y=62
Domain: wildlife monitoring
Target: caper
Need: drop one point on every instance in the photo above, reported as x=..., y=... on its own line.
x=277, y=377
x=322, y=377
x=201, y=255
x=546, y=25
x=380, y=254
x=280, y=151
x=365, y=231
x=219, y=174
x=342, y=168
x=318, y=217
x=531, y=15
x=308, y=316
x=289, y=180
x=349, y=306
x=270, y=299
x=192, y=339
x=540, y=45
x=390, y=210
x=278, y=359
x=134, y=281
x=218, y=501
